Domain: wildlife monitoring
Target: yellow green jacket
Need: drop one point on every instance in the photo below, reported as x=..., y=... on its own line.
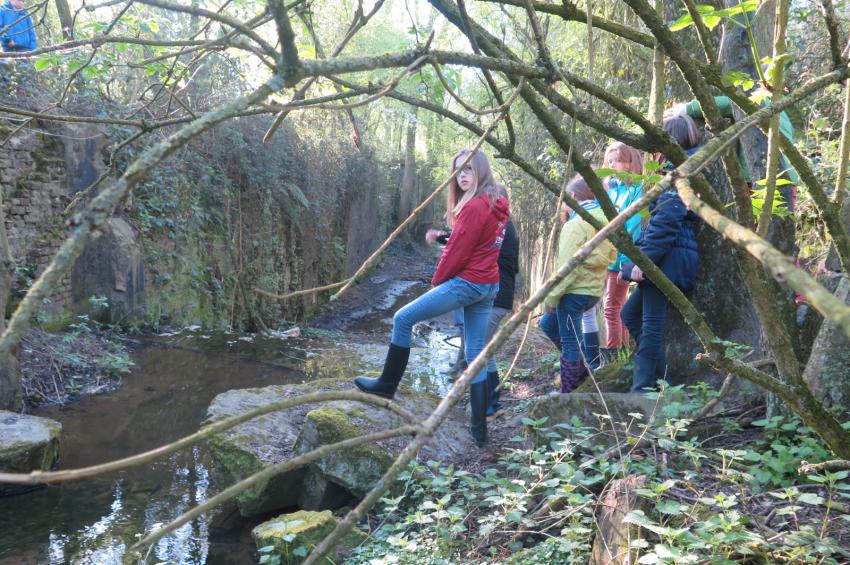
x=589, y=277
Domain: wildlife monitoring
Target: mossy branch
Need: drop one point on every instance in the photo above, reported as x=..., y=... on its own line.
x=778, y=84
x=775, y=261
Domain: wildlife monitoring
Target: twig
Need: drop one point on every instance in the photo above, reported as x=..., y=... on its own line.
x=832, y=465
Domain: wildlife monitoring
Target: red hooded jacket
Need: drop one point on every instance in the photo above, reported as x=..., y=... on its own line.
x=473, y=248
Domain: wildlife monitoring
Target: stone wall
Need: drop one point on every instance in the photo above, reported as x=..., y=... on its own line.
x=34, y=180
x=225, y=214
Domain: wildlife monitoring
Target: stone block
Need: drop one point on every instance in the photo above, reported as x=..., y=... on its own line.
x=27, y=443
x=337, y=478
x=294, y=535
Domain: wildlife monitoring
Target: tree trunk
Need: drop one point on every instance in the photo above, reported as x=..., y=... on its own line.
x=10, y=378
x=66, y=20
x=408, y=179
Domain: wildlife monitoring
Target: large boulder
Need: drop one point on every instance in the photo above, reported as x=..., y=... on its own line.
x=337, y=478
x=27, y=443
x=111, y=265
x=828, y=370
x=294, y=535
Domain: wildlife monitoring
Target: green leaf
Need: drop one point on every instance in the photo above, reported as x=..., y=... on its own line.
x=810, y=498
x=711, y=21
x=683, y=22
x=42, y=63
x=300, y=551
x=669, y=507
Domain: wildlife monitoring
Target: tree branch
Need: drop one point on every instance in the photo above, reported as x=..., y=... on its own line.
x=570, y=12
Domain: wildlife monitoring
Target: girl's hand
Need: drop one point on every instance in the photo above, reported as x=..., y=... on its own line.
x=637, y=274
x=432, y=235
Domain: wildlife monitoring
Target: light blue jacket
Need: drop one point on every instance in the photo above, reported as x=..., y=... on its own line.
x=623, y=195
x=21, y=29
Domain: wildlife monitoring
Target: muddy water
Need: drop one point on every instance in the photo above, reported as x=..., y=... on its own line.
x=165, y=397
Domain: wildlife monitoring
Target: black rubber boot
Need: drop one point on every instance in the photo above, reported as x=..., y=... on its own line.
x=387, y=383
x=495, y=393
x=479, y=399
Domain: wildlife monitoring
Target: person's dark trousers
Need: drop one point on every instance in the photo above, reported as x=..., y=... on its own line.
x=590, y=350
x=645, y=314
x=570, y=310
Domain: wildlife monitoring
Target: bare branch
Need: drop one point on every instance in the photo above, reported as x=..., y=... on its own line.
x=216, y=17
x=41, y=477
x=570, y=12
x=834, y=31
x=233, y=491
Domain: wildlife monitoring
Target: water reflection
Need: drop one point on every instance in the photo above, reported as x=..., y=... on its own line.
x=166, y=396
x=93, y=522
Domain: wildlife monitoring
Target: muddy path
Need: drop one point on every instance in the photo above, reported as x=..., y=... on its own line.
x=363, y=316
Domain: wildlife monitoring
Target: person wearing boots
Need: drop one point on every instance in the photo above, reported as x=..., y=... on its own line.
x=589, y=343
x=467, y=277
x=502, y=305
x=581, y=289
x=668, y=240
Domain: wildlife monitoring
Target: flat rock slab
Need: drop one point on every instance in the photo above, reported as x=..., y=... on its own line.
x=27, y=443
x=618, y=408
x=336, y=479
x=294, y=535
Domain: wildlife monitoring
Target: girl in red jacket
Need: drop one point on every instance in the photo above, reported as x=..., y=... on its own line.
x=467, y=277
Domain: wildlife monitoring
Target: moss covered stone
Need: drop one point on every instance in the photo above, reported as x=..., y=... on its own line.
x=293, y=535
x=335, y=479
x=357, y=469
x=27, y=443
x=608, y=411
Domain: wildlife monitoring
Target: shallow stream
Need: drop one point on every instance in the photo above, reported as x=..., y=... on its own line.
x=164, y=398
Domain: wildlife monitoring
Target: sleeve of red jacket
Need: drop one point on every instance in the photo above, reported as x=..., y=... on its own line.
x=461, y=243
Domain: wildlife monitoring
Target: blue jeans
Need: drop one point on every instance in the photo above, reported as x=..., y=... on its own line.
x=550, y=326
x=645, y=314
x=476, y=301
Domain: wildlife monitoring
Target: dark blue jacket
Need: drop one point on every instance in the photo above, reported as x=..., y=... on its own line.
x=508, y=268
x=21, y=29
x=668, y=240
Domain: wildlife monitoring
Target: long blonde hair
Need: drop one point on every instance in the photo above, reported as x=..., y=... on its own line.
x=630, y=155
x=484, y=183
